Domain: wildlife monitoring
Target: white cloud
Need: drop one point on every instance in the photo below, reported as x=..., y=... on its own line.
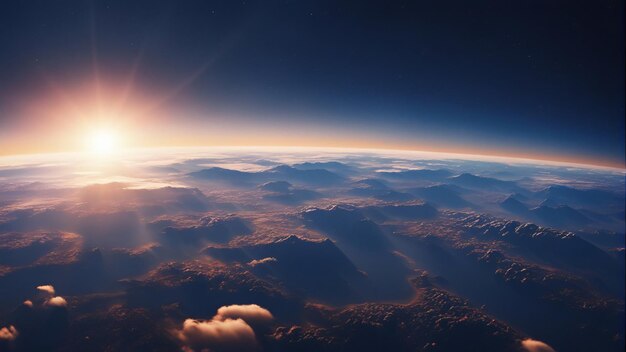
x=251, y=313
x=256, y=262
x=49, y=289
x=218, y=336
x=229, y=330
x=531, y=345
x=57, y=301
x=8, y=334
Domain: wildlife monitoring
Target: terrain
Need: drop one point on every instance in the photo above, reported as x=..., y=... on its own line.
x=309, y=250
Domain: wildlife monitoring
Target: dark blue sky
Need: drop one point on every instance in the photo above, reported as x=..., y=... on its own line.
x=529, y=75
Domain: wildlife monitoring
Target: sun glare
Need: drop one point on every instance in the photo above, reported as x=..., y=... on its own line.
x=102, y=141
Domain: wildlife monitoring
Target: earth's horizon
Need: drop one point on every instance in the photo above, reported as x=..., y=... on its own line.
x=308, y=249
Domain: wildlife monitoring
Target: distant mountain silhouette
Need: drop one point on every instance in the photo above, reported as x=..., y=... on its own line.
x=443, y=195
x=373, y=188
x=283, y=192
x=333, y=166
x=606, y=222
x=514, y=206
x=229, y=176
x=604, y=239
x=564, y=195
x=549, y=202
x=153, y=200
x=484, y=183
x=561, y=216
x=319, y=177
x=418, y=175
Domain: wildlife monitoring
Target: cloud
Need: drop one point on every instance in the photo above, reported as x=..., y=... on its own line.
x=531, y=345
x=218, y=336
x=57, y=301
x=229, y=330
x=28, y=303
x=8, y=334
x=53, y=301
x=256, y=262
x=49, y=289
x=251, y=313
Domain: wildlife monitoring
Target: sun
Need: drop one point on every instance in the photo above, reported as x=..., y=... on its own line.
x=102, y=141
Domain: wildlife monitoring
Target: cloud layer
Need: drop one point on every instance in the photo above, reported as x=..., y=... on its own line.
x=49, y=289
x=256, y=262
x=8, y=334
x=531, y=345
x=56, y=301
x=251, y=313
x=227, y=331
x=216, y=335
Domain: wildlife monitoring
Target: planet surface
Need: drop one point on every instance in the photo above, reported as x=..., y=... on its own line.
x=275, y=249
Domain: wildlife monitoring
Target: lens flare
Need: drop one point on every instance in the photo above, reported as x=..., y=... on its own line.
x=102, y=141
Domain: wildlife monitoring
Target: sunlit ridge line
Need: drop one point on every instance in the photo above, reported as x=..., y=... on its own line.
x=349, y=150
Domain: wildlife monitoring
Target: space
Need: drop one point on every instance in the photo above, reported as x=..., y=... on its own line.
x=312, y=176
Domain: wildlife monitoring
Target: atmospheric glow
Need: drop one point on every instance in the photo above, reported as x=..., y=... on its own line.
x=99, y=117
x=103, y=141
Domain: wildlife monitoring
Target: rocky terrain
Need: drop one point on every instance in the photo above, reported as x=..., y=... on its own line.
x=313, y=256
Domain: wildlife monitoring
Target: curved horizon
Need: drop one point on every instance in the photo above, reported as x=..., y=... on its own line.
x=244, y=75
x=449, y=154
x=228, y=89
x=342, y=176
